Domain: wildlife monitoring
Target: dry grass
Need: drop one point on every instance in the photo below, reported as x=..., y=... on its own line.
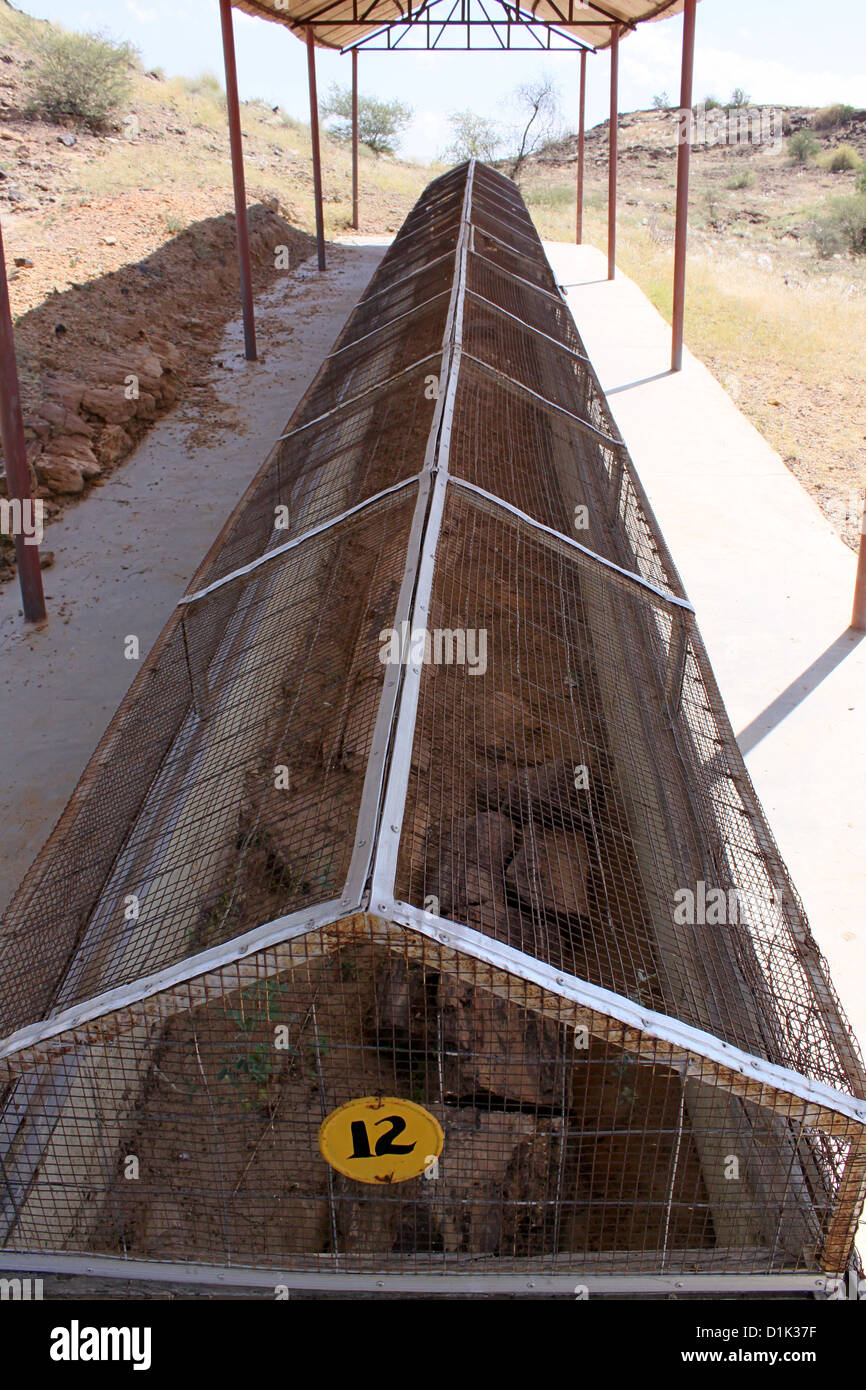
x=778, y=327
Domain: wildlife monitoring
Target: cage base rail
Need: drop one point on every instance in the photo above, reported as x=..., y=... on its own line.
x=577, y=1282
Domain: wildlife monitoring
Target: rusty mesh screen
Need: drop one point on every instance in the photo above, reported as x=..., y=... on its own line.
x=410, y=799
x=264, y=680
x=568, y=1143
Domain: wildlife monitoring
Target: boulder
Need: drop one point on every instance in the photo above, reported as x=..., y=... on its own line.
x=169, y=354
x=63, y=420
x=75, y=448
x=553, y=795
x=504, y=923
x=142, y=357
x=550, y=872
x=75, y=424
x=167, y=392
x=471, y=865
x=61, y=475
x=36, y=427
x=492, y=789
x=65, y=392
x=401, y=1018
x=90, y=467
x=479, y=1154
x=147, y=372
x=53, y=412
x=109, y=404
x=114, y=443
x=509, y=724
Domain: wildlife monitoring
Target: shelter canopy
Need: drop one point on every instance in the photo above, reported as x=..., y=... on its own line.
x=342, y=24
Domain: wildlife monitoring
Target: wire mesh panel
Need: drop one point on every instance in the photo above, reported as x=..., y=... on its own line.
x=376, y=357
x=251, y=814
x=325, y=468
x=567, y=1144
x=546, y=802
x=426, y=804
x=514, y=261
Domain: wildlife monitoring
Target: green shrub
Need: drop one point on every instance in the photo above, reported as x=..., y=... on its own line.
x=744, y=178
x=207, y=84
x=827, y=236
x=842, y=227
x=842, y=159
x=380, y=123
x=802, y=147
x=831, y=117
x=860, y=181
x=81, y=77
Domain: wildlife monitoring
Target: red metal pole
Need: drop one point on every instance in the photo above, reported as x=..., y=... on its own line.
x=317, y=154
x=858, y=615
x=611, y=173
x=581, y=134
x=237, y=153
x=355, y=222
x=15, y=458
x=684, y=151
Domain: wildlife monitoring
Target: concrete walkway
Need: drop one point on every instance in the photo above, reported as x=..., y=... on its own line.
x=772, y=585
x=125, y=554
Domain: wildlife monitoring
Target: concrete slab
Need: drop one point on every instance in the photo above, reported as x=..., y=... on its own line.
x=772, y=585
x=125, y=555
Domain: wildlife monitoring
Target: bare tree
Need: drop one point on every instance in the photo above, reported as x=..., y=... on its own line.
x=539, y=103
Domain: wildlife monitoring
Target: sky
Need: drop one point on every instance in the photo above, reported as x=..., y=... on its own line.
x=762, y=46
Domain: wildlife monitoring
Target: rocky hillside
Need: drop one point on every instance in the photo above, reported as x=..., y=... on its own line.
x=776, y=291
x=121, y=254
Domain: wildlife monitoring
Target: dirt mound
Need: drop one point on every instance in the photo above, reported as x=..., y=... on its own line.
x=101, y=361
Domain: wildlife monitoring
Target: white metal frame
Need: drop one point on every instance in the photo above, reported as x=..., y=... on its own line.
x=576, y=1282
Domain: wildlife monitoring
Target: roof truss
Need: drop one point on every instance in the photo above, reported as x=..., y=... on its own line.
x=455, y=25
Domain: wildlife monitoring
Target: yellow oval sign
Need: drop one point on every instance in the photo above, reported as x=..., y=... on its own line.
x=381, y=1139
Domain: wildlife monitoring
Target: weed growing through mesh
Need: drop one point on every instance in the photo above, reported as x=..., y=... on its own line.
x=252, y=1064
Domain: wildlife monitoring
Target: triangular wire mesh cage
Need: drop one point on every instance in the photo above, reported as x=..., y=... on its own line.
x=427, y=791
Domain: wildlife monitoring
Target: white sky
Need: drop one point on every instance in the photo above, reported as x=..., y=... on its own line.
x=763, y=46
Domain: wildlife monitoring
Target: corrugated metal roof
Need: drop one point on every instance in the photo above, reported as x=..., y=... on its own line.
x=342, y=23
